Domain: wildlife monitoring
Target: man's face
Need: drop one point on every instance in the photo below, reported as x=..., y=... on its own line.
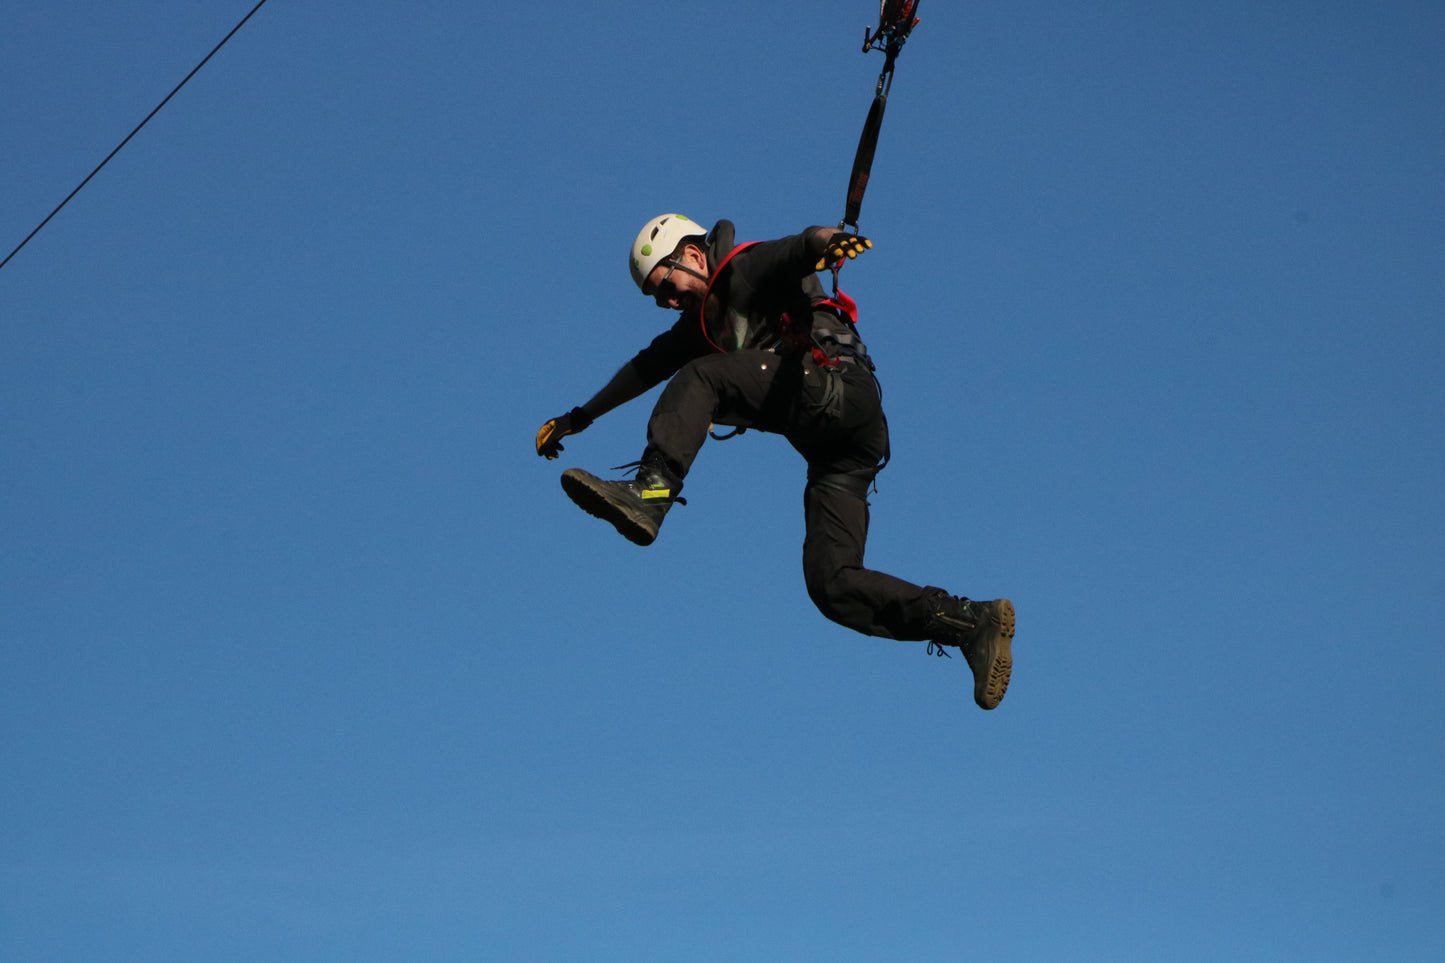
x=672, y=287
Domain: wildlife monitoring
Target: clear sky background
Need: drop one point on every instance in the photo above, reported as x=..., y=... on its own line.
x=304, y=654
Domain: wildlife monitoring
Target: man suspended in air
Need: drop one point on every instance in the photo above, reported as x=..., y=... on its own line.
x=760, y=345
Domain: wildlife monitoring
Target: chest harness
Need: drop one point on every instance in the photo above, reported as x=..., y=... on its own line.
x=846, y=344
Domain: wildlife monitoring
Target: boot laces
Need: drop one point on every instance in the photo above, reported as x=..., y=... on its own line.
x=634, y=468
x=957, y=627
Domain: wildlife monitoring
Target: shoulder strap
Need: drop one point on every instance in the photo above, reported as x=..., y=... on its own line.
x=702, y=311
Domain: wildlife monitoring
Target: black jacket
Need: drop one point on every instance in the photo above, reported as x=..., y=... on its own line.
x=766, y=296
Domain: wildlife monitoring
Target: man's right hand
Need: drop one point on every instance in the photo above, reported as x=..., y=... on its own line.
x=842, y=245
x=549, y=437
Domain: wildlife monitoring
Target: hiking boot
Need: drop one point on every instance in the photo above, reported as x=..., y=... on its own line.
x=984, y=631
x=635, y=508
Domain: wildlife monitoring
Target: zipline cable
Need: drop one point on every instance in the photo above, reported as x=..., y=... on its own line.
x=122, y=144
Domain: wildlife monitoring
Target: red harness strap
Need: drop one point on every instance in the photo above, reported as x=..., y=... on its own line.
x=702, y=311
x=843, y=304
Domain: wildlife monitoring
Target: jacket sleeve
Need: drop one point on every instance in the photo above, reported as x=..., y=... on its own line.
x=791, y=257
x=651, y=366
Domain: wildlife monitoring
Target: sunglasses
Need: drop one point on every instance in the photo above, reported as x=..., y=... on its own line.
x=664, y=288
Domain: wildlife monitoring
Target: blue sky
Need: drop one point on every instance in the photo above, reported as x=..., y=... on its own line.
x=304, y=654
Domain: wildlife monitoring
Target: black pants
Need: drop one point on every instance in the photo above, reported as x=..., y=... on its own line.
x=834, y=418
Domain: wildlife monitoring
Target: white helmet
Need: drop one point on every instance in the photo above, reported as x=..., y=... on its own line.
x=658, y=239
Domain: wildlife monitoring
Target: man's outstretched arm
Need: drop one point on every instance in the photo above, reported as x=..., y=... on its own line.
x=627, y=384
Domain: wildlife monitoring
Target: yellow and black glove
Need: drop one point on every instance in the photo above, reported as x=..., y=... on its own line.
x=549, y=437
x=843, y=245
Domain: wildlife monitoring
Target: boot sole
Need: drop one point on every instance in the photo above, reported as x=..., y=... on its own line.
x=599, y=502
x=996, y=645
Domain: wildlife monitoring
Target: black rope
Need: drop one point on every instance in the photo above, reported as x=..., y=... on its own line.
x=122, y=144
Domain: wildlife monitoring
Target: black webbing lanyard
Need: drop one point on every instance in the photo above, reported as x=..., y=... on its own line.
x=896, y=19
